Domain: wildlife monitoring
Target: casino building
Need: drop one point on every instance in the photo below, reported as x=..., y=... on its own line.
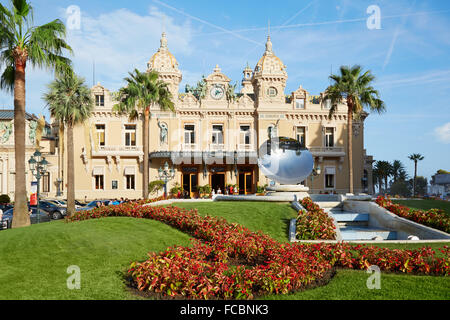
x=213, y=136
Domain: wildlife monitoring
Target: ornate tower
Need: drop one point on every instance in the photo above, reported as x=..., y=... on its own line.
x=247, y=86
x=167, y=66
x=269, y=79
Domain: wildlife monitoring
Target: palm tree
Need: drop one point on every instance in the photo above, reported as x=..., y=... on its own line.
x=398, y=171
x=377, y=179
x=143, y=90
x=42, y=46
x=416, y=157
x=355, y=89
x=70, y=103
x=384, y=170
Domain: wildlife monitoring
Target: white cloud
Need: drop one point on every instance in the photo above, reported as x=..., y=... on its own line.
x=443, y=133
x=121, y=40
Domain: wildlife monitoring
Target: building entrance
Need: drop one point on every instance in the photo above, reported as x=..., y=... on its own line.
x=218, y=182
x=190, y=181
x=246, y=183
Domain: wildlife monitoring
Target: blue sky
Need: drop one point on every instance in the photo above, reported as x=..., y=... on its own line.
x=409, y=55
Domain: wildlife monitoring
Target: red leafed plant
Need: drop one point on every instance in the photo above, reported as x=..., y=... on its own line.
x=433, y=218
x=228, y=261
x=314, y=223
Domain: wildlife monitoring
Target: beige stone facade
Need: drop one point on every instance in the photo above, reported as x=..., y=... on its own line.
x=47, y=146
x=213, y=136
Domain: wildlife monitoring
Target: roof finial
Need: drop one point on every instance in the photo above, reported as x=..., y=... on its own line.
x=163, y=40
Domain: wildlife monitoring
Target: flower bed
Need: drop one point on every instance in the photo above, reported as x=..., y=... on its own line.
x=228, y=261
x=433, y=218
x=314, y=223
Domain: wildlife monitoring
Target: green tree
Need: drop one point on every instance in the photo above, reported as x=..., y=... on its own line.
x=377, y=179
x=420, y=184
x=384, y=170
x=354, y=88
x=142, y=91
x=401, y=188
x=70, y=102
x=416, y=157
x=42, y=46
x=398, y=171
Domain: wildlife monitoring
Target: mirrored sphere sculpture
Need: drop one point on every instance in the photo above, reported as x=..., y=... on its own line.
x=283, y=160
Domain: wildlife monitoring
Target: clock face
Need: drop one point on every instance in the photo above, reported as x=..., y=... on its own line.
x=217, y=92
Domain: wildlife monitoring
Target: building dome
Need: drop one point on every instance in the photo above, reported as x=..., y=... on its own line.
x=270, y=64
x=163, y=61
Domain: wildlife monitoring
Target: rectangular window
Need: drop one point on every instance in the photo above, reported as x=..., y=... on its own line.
x=301, y=136
x=329, y=181
x=327, y=104
x=101, y=134
x=99, y=182
x=299, y=103
x=46, y=182
x=329, y=137
x=245, y=135
x=115, y=184
x=189, y=134
x=130, y=182
x=99, y=100
x=217, y=135
x=130, y=135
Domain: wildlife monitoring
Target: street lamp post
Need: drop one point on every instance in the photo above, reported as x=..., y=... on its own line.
x=165, y=174
x=38, y=167
x=316, y=172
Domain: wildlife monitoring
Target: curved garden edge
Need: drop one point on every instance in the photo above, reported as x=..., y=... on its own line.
x=205, y=271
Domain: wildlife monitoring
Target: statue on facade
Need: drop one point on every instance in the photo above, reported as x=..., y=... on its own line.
x=231, y=93
x=5, y=131
x=163, y=132
x=32, y=133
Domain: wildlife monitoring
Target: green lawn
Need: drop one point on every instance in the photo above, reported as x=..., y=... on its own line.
x=425, y=204
x=270, y=218
x=34, y=260
x=351, y=285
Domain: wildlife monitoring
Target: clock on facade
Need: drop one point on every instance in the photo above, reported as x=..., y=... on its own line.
x=217, y=92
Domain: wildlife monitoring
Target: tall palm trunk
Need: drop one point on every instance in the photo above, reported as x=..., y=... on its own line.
x=350, y=142
x=386, y=184
x=70, y=173
x=146, y=141
x=21, y=217
x=415, y=177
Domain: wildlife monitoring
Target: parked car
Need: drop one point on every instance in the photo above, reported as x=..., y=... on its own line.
x=5, y=207
x=94, y=204
x=63, y=203
x=56, y=211
x=7, y=219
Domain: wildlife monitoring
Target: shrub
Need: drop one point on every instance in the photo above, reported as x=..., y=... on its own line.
x=174, y=190
x=155, y=186
x=4, y=199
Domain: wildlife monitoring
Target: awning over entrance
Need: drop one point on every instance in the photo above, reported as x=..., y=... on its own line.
x=194, y=157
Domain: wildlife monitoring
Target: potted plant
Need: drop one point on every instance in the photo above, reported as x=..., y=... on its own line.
x=206, y=191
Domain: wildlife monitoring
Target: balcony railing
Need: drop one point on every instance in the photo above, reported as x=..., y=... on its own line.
x=245, y=147
x=216, y=147
x=118, y=151
x=328, y=151
x=189, y=147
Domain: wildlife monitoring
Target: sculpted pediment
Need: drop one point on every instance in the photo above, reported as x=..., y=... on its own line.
x=245, y=101
x=188, y=100
x=300, y=93
x=217, y=76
